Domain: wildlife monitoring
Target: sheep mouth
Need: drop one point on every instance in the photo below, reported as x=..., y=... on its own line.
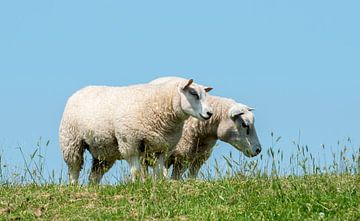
x=205, y=118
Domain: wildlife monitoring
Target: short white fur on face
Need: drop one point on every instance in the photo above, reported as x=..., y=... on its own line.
x=239, y=130
x=193, y=100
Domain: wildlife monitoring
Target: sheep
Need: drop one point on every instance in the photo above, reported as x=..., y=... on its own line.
x=232, y=122
x=116, y=123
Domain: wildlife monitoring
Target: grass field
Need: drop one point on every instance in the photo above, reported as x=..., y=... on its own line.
x=238, y=198
x=251, y=190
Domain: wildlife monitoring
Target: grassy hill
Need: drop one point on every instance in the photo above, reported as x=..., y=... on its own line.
x=313, y=197
x=265, y=188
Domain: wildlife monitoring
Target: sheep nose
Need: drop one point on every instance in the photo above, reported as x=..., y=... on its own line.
x=258, y=150
x=209, y=113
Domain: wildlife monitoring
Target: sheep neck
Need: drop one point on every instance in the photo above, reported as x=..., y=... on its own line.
x=170, y=117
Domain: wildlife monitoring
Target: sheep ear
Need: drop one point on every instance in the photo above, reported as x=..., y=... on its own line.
x=187, y=84
x=207, y=89
x=235, y=111
x=250, y=109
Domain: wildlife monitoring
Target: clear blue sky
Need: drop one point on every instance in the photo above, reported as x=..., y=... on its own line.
x=296, y=62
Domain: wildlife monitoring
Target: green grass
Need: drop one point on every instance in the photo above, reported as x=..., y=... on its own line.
x=273, y=186
x=293, y=198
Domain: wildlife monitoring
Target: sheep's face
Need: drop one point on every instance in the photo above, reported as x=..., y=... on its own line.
x=238, y=129
x=194, y=101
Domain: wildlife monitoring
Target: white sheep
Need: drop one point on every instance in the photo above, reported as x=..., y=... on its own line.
x=115, y=123
x=232, y=123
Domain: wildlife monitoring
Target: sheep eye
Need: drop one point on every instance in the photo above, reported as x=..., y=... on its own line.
x=244, y=125
x=194, y=94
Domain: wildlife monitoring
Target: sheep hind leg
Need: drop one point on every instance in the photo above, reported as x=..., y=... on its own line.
x=98, y=169
x=178, y=170
x=194, y=169
x=74, y=158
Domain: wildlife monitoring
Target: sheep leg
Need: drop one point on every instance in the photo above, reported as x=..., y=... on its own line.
x=74, y=173
x=99, y=168
x=73, y=153
x=178, y=170
x=160, y=170
x=136, y=169
x=194, y=169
